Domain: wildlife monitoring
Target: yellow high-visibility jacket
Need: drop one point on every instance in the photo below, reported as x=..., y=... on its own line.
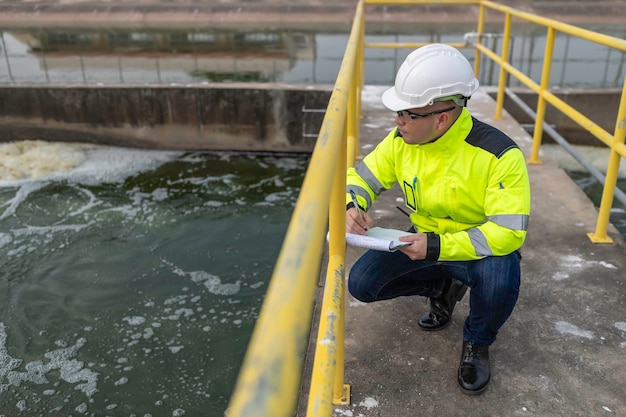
x=468, y=190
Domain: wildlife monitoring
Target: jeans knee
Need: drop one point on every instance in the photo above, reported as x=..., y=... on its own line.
x=358, y=290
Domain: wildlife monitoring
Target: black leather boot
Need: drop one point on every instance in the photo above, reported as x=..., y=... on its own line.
x=474, y=370
x=441, y=308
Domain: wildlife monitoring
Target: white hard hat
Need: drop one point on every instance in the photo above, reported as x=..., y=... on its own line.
x=431, y=73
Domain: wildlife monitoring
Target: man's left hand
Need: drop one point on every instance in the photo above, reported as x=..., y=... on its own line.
x=416, y=250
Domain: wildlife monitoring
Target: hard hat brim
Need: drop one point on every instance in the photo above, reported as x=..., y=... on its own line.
x=393, y=103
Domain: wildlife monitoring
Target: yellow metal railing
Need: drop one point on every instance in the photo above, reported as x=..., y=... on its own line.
x=270, y=378
x=613, y=140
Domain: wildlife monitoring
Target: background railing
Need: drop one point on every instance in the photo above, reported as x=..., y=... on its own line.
x=614, y=140
x=270, y=378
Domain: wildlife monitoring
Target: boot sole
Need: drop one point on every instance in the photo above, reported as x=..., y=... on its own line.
x=471, y=392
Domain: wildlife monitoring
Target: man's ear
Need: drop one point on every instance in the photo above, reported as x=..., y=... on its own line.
x=447, y=119
x=444, y=120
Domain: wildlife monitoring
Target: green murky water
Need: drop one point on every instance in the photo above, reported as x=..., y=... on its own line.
x=130, y=284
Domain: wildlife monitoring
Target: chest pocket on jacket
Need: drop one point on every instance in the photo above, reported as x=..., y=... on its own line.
x=410, y=194
x=412, y=190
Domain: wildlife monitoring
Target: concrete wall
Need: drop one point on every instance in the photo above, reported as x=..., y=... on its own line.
x=239, y=117
x=600, y=105
x=250, y=117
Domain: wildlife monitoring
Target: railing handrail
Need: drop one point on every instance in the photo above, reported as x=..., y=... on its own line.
x=615, y=140
x=270, y=378
x=565, y=28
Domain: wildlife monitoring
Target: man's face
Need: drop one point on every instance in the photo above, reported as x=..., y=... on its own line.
x=424, y=124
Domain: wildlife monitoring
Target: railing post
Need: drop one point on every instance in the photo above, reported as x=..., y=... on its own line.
x=480, y=28
x=327, y=387
x=541, y=101
x=354, y=101
x=352, y=136
x=341, y=391
x=360, y=71
x=610, y=182
x=328, y=368
x=503, y=73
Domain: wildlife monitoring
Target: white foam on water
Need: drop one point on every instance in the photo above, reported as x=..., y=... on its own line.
x=21, y=405
x=29, y=166
x=288, y=164
x=93, y=202
x=123, y=380
x=211, y=282
x=135, y=320
x=176, y=349
x=5, y=239
x=113, y=165
x=61, y=360
x=278, y=196
x=22, y=193
x=35, y=161
x=148, y=332
x=185, y=312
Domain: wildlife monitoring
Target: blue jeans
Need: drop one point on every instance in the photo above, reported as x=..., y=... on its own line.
x=494, y=282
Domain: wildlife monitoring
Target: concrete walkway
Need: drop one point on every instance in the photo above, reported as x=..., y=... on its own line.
x=562, y=352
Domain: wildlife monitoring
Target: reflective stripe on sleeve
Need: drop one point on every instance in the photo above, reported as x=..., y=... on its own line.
x=511, y=221
x=479, y=242
x=360, y=191
x=367, y=176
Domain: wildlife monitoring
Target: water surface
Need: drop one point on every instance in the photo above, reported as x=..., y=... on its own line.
x=206, y=54
x=131, y=282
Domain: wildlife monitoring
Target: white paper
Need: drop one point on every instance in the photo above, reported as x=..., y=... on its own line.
x=378, y=238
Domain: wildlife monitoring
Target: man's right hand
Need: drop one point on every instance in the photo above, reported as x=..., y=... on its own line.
x=357, y=225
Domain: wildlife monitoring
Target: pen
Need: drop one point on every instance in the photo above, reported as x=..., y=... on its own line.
x=356, y=205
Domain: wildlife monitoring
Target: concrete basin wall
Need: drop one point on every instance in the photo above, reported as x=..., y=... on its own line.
x=600, y=105
x=237, y=117
x=240, y=117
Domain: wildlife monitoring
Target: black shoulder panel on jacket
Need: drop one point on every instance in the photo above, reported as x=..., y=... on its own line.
x=489, y=138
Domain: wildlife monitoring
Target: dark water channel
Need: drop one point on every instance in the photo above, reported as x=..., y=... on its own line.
x=130, y=283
